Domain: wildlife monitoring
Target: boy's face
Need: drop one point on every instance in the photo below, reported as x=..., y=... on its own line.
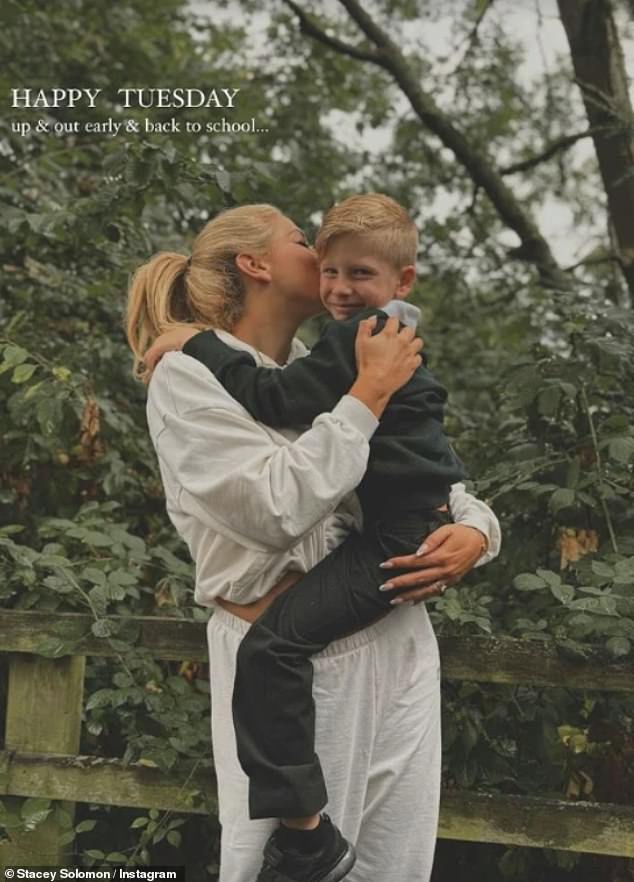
x=352, y=277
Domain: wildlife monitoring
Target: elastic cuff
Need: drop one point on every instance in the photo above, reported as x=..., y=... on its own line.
x=484, y=526
x=351, y=410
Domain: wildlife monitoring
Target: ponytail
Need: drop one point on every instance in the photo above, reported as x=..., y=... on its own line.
x=206, y=290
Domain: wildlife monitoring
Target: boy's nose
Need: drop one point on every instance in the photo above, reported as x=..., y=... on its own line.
x=340, y=286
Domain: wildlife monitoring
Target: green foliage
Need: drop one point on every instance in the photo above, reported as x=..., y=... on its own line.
x=541, y=382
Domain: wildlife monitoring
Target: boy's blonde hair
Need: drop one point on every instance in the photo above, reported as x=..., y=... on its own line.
x=205, y=290
x=380, y=220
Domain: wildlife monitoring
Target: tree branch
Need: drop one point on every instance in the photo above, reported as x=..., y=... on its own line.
x=593, y=261
x=308, y=27
x=563, y=143
x=534, y=247
x=473, y=37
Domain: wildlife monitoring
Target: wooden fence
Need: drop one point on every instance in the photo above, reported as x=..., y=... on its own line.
x=43, y=720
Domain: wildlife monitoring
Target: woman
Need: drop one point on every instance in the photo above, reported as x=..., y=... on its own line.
x=256, y=505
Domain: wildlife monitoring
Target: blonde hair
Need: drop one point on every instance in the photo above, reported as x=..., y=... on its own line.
x=205, y=290
x=380, y=220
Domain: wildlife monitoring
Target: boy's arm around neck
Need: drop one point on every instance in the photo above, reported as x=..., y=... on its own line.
x=295, y=395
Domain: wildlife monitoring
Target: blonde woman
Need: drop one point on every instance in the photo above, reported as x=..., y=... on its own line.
x=257, y=506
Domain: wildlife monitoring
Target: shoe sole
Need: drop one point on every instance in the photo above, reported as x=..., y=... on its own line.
x=344, y=866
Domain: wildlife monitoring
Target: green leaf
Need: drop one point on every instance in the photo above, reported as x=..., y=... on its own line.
x=618, y=646
x=13, y=355
x=32, y=390
x=36, y=818
x=561, y=498
x=174, y=838
x=548, y=400
x=100, y=698
x=23, y=372
x=66, y=838
x=602, y=569
x=101, y=628
x=100, y=540
x=223, y=179
x=549, y=577
x=580, y=620
x=563, y=593
x=62, y=374
x=139, y=822
x=85, y=826
x=621, y=449
x=63, y=818
x=10, y=529
x=92, y=574
x=34, y=805
x=625, y=566
x=602, y=605
x=116, y=857
x=95, y=853
x=529, y=582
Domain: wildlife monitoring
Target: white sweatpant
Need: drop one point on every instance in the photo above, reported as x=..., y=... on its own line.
x=377, y=696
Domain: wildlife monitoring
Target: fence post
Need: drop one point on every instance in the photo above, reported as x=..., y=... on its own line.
x=44, y=705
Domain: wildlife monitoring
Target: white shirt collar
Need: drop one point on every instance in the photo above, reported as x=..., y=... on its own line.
x=405, y=312
x=297, y=349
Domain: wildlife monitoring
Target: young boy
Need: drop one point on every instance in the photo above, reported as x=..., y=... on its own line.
x=367, y=249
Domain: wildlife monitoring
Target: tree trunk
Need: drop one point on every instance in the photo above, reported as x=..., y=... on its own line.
x=599, y=68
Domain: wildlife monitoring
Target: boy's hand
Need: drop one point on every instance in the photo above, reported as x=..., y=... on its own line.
x=167, y=342
x=385, y=361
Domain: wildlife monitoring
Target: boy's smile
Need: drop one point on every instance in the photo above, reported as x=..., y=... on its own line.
x=352, y=277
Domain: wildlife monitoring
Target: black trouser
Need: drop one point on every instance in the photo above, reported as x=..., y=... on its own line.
x=273, y=707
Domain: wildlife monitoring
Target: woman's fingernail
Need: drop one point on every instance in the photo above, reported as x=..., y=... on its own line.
x=386, y=565
x=387, y=586
x=422, y=550
x=396, y=601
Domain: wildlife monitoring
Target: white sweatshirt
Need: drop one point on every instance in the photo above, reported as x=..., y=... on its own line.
x=253, y=502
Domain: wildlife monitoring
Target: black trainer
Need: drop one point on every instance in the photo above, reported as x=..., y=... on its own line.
x=329, y=864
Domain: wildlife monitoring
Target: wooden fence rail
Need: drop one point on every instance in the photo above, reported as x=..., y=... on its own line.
x=43, y=722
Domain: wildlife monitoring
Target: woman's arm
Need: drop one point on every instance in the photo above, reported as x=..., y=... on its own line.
x=470, y=511
x=451, y=551
x=234, y=476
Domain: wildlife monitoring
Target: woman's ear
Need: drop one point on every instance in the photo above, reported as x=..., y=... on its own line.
x=405, y=282
x=254, y=267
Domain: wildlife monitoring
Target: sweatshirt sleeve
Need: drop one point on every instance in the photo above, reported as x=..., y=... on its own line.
x=234, y=476
x=467, y=509
x=294, y=396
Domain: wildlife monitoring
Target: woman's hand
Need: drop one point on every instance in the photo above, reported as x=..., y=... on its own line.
x=167, y=342
x=385, y=361
x=449, y=553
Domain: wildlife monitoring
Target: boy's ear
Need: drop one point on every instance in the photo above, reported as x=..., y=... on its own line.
x=254, y=267
x=405, y=282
